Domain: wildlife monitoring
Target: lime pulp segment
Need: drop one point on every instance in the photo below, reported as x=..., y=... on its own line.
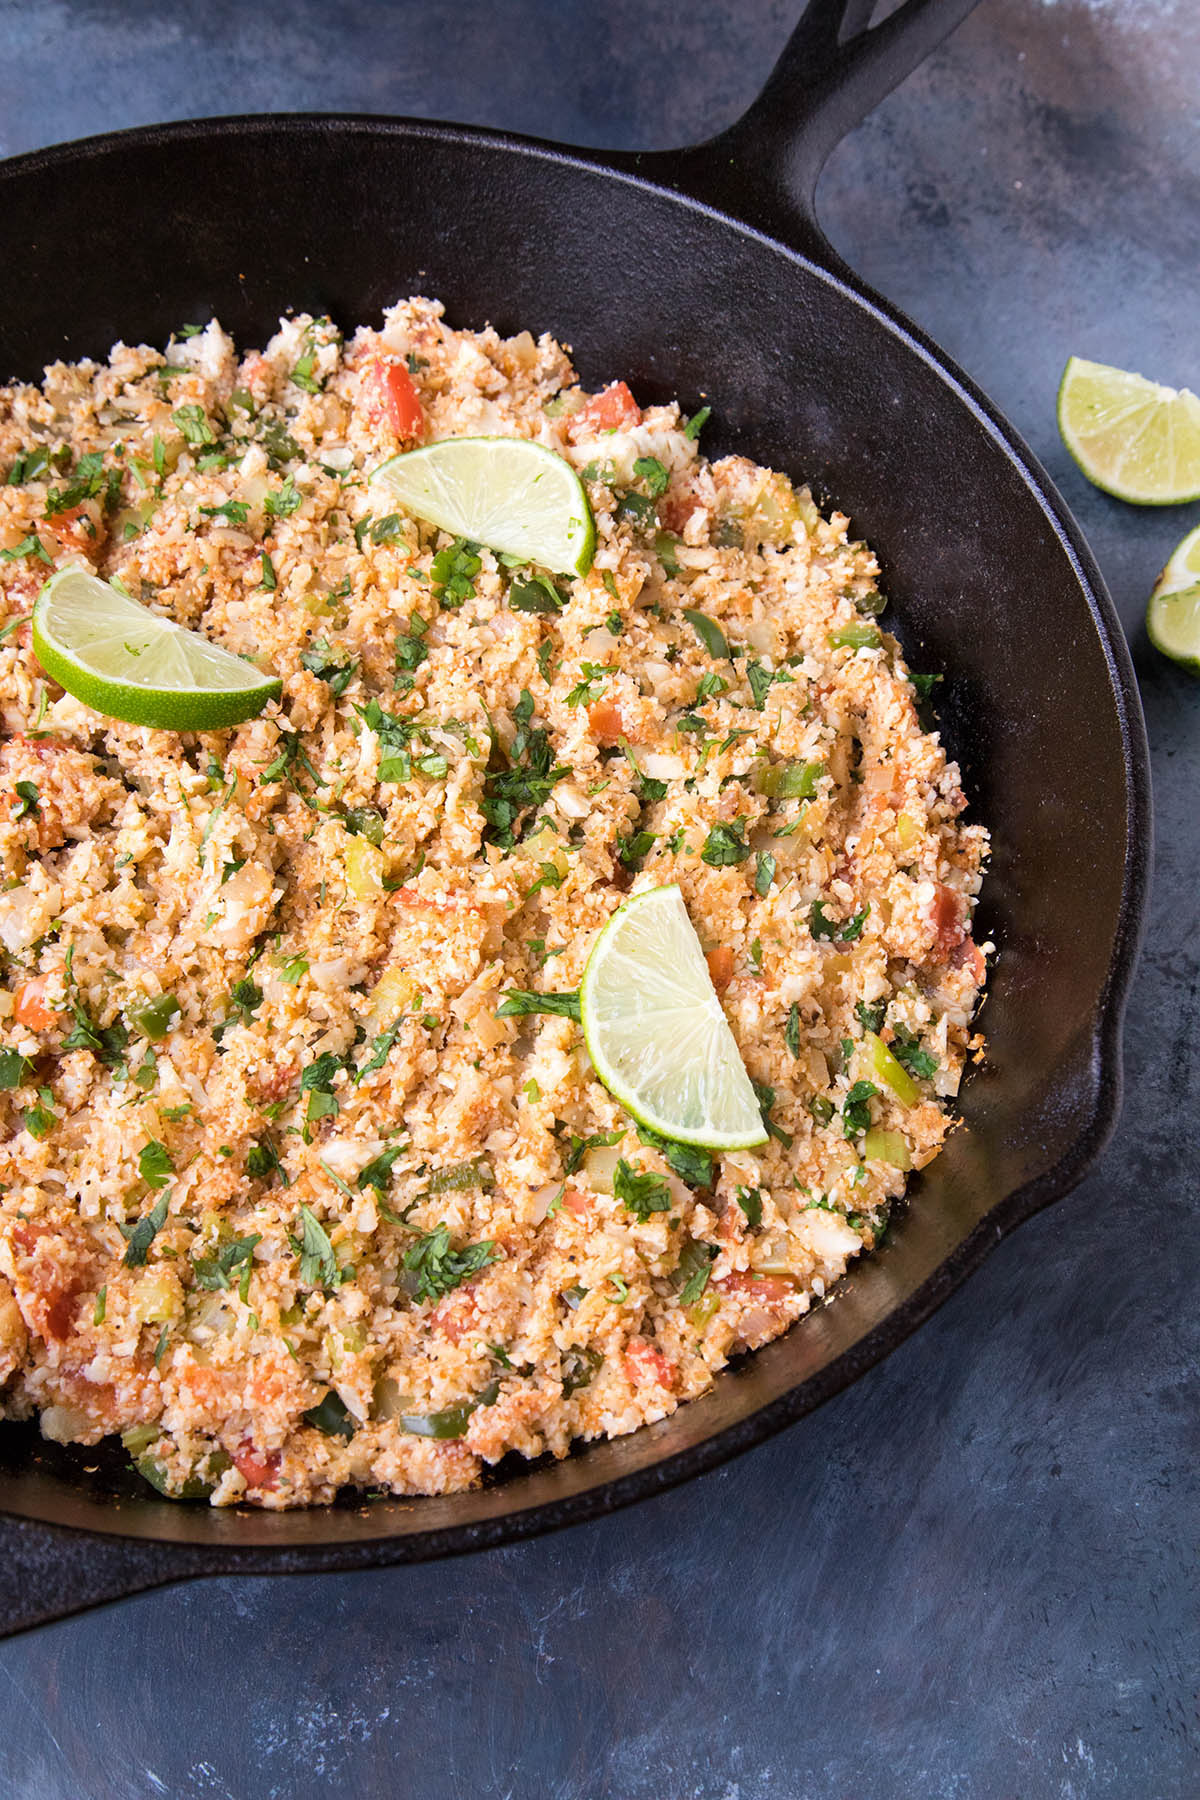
x=129, y=663
x=1134, y=438
x=507, y=493
x=656, y=1032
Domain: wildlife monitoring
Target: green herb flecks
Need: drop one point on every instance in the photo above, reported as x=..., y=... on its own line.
x=431, y=1267
x=641, y=1193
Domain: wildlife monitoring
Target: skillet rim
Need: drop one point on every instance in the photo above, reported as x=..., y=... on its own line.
x=1098, y=1106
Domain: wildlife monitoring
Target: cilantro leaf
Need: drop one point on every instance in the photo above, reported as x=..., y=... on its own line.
x=452, y=573
x=213, y=1272
x=318, y=1265
x=689, y=1161
x=856, y=1108
x=139, y=1237
x=726, y=845
x=518, y=1003
x=641, y=1193
x=433, y=1268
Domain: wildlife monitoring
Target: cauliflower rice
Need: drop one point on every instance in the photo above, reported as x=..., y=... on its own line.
x=287, y=1197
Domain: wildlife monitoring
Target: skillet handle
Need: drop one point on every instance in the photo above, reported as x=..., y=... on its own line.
x=834, y=68
x=49, y=1572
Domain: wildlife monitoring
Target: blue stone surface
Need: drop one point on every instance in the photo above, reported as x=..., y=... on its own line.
x=972, y=1576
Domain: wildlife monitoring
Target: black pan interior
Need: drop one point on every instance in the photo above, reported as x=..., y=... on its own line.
x=247, y=220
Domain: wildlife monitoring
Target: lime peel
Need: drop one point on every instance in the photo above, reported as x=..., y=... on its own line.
x=129, y=663
x=506, y=493
x=656, y=1032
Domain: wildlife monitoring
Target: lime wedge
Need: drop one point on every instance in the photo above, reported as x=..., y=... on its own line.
x=129, y=663
x=656, y=1033
x=1173, y=615
x=504, y=492
x=1132, y=437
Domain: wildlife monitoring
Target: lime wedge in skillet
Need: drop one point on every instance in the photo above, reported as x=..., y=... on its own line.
x=1173, y=615
x=504, y=492
x=128, y=663
x=1134, y=438
x=656, y=1033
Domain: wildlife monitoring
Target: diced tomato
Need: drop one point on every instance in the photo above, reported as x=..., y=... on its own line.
x=607, y=725
x=720, y=966
x=30, y=1007
x=81, y=528
x=456, y=1315
x=770, y=1289
x=945, y=913
x=646, y=1365
x=396, y=398
x=969, y=955
x=577, y=1203
x=613, y=409
x=260, y=1468
x=50, y=1273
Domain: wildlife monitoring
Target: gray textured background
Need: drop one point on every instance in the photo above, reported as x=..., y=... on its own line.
x=973, y=1576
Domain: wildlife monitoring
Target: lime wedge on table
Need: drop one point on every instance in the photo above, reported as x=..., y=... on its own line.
x=1131, y=437
x=656, y=1033
x=129, y=663
x=504, y=492
x=1173, y=615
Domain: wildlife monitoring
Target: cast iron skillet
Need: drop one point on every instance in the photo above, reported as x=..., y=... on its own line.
x=701, y=272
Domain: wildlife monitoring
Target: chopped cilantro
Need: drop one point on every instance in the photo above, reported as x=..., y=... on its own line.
x=283, y=504
x=319, y=1266
x=821, y=927
x=378, y=1172
x=39, y=1119
x=642, y=1193
x=510, y=793
x=270, y=580
x=693, y=1270
x=15, y=1069
x=592, y=679
x=907, y=1050
x=30, y=805
x=766, y=1100
x=870, y=1017
x=695, y=424
x=764, y=873
x=750, y=1201
x=655, y=476
x=760, y=679
x=139, y=1237
x=262, y=1161
x=519, y=1002
x=28, y=546
x=380, y=1051
x=213, y=1272
x=235, y=511
x=452, y=573
x=536, y=594
x=689, y=1161
x=726, y=845
x=924, y=684
x=194, y=424
x=633, y=849
x=434, y=1268
x=320, y=661
x=791, y=1032
x=856, y=1108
